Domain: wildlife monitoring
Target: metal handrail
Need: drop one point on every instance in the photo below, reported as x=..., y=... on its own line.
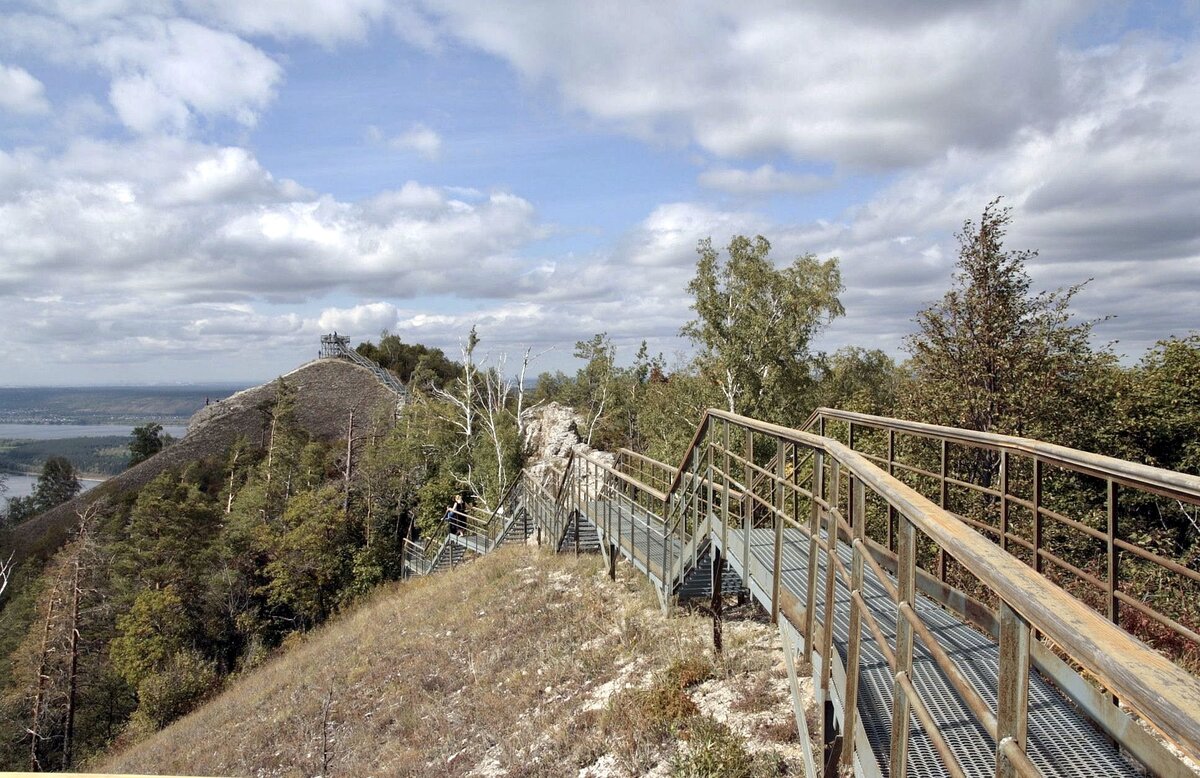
x=1157, y=480
x=1117, y=476
x=1162, y=692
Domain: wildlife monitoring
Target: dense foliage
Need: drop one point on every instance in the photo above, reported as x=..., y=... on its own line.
x=147, y=440
x=56, y=484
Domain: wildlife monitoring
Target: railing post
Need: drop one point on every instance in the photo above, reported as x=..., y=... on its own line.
x=1004, y=500
x=891, y=470
x=1114, y=613
x=857, y=508
x=814, y=534
x=1013, y=694
x=831, y=534
x=944, y=498
x=1037, y=514
x=906, y=577
x=780, y=501
x=725, y=488
x=747, y=504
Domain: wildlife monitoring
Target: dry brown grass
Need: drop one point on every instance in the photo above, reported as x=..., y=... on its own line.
x=521, y=663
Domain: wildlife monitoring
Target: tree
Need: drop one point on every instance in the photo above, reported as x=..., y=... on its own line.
x=311, y=556
x=597, y=379
x=56, y=484
x=6, y=569
x=993, y=356
x=147, y=441
x=1165, y=410
x=755, y=323
x=20, y=509
x=859, y=379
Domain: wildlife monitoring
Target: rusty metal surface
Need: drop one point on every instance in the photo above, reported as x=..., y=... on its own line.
x=1167, y=483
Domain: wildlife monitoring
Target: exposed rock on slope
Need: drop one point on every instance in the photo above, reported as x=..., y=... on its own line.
x=326, y=392
x=551, y=437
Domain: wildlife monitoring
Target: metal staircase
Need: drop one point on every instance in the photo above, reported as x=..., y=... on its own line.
x=334, y=346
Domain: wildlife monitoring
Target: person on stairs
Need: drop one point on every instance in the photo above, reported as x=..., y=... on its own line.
x=455, y=518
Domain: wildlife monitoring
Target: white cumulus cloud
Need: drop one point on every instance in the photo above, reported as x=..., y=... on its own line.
x=20, y=92
x=418, y=138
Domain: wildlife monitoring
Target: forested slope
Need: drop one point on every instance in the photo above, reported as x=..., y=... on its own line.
x=326, y=393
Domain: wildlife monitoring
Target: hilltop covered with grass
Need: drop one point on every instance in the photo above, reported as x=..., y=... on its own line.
x=520, y=663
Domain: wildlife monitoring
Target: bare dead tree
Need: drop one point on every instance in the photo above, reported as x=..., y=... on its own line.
x=522, y=412
x=237, y=453
x=463, y=400
x=83, y=547
x=6, y=571
x=42, y=680
x=326, y=752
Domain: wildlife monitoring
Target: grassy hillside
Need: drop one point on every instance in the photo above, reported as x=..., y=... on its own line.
x=520, y=663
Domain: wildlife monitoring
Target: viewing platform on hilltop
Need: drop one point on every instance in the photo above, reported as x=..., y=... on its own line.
x=334, y=346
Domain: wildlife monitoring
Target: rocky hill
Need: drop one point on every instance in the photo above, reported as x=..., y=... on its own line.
x=327, y=391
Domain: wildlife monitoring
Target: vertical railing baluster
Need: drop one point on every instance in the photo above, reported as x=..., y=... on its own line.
x=1114, y=613
x=747, y=505
x=779, y=502
x=906, y=577
x=1013, y=694
x=858, y=521
x=725, y=488
x=944, y=499
x=891, y=469
x=831, y=533
x=1004, y=500
x=708, y=507
x=814, y=533
x=1037, y=514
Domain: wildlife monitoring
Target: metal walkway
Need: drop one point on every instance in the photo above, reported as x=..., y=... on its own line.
x=1026, y=686
x=1061, y=742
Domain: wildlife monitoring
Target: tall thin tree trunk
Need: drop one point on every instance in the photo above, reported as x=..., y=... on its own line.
x=42, y=678
x=72, y=673
x=232, y=471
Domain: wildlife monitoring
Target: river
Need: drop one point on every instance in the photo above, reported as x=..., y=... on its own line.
x=23, y=485
x=60, y=431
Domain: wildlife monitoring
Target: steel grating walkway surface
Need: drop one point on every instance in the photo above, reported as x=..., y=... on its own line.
x=1061, y=742
x=643, y=549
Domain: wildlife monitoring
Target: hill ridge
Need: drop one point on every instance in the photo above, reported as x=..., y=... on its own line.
x=326, y=391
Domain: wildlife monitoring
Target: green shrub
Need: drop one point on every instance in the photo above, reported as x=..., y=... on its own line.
x=166, y=695
x=716, y=752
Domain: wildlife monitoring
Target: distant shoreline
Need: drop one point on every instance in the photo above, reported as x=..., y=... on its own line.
x=98, y=477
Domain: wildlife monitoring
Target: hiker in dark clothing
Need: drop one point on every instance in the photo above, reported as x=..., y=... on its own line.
x=455, y=517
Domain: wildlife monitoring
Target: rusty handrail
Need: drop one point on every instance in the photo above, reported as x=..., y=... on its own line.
x=1157, y=480
x=1162, y=692
x=1115, y=474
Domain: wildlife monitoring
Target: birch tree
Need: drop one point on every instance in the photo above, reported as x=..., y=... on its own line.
x=755, y=323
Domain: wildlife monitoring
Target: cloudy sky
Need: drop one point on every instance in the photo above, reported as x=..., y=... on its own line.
x=196, y=189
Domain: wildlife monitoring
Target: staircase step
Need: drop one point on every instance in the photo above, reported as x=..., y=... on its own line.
x=697, y=584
